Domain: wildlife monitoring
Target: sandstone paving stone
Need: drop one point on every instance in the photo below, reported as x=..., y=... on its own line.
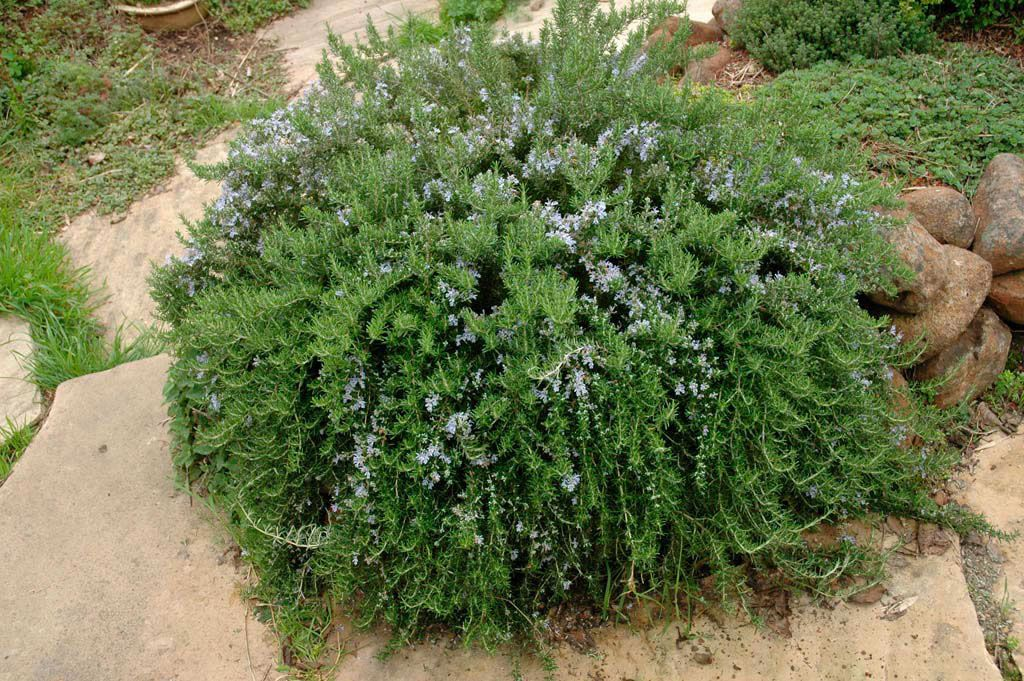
x=923, y=627
x=120, y=252
x=528, y=23
x=107, y=571
x=997, y=491
x=111, y=574
x=302, y=35
x=20, y=402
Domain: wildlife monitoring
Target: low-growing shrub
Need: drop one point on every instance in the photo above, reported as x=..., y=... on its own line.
x=972, y=13
x=939, y=117
x=479, y=328
x=455, y=12
x=792, y=34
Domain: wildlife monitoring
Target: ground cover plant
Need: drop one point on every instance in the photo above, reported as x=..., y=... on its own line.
x=921, y=117
x=483, y=327
x=793, y=34
x=94, y=110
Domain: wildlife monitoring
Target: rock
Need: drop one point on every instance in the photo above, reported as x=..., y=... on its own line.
x=999, y=209
x=872, y=594
x=725, y=12
x=971, y=363
x=900, y=399
x=1007, y=296
x=968, y=278
x=933, y=540
x=702, y=654
x=20, y=401
x=95, y=563
x=662, y=32
x=944, y=212
x=701, y=32
x=705, y=71
x=984, y=417
x=94, y=582
x=996, y=492
x=902, y=406
x=536, y=5
x=923, y=255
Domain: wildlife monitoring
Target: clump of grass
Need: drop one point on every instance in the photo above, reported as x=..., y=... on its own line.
x=455, y=12
x=38, y=285
x=921, y=117
x=243, y=16
x=14, y=441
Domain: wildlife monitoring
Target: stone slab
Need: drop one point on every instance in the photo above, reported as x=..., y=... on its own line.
x=107, y=571
x=120, y=251
x=20, y=401
x=936, y=638
x=997, y=491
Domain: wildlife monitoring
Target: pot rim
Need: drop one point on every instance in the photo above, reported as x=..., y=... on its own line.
x=157, y=10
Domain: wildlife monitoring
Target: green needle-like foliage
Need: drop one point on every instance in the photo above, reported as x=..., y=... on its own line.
x=479, y=328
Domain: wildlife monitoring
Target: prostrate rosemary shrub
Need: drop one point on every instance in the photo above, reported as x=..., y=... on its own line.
x=793, y=34
x=479, y=328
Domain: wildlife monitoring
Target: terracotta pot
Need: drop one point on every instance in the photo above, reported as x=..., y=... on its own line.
x=173, y=16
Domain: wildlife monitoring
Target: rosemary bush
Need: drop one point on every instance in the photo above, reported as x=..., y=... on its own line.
x=479, y=328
